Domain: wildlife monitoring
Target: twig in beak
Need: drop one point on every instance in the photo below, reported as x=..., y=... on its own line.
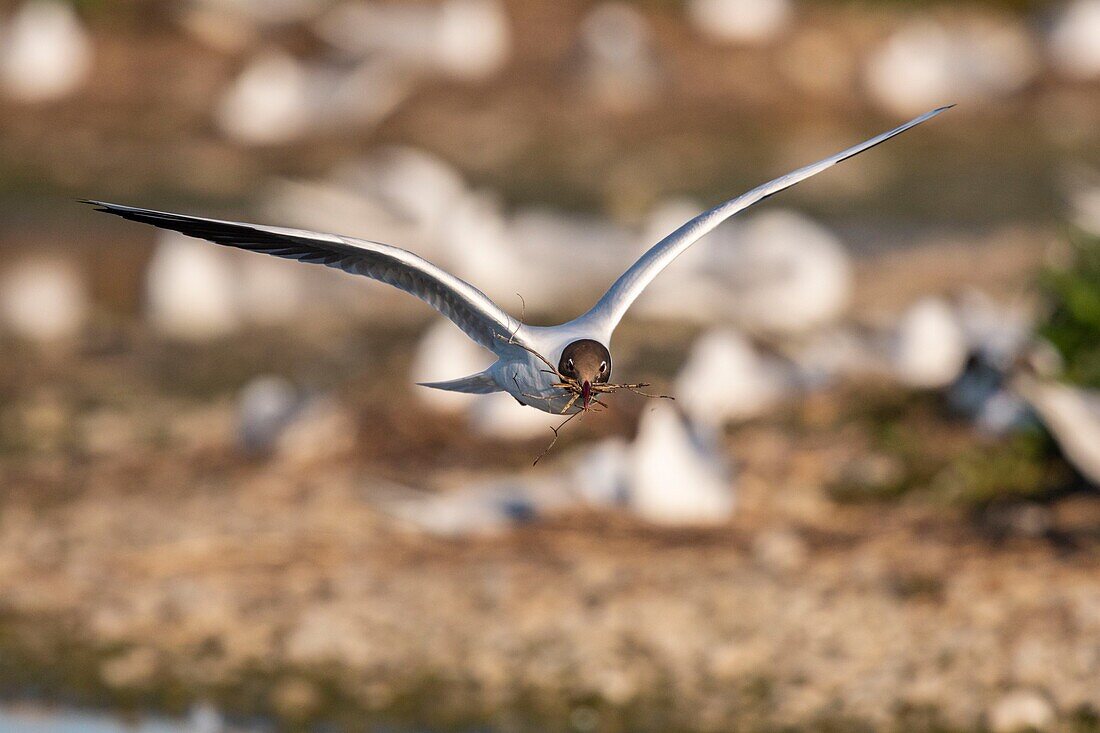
x=555, y=440
x=634, y=388
x=587, y=391
x=570, y=403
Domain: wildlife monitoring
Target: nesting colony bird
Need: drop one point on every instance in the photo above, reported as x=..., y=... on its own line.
x=1073, y=40
x=929, y=349
x=394, y=192
x=1083, y=184
x=463, y=39
x=789, y=274
x=414, y=185
x=617, y=60
x=45, y=52
x=278, y=99
x=726, y=380
x=232, y=25
x=778, y=273
x=265, y=406
x=563, y=369
x=1072, y=414
x=741, y=21
x=43, y=299
x=555, y=241
x=997, y=337
x=440, y=350
x=189, y=290
x=268, y=103
x=923, y=60
x=671, y=451
x=498, y=416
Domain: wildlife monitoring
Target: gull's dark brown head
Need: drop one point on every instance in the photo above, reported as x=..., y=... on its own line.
x=588, y=362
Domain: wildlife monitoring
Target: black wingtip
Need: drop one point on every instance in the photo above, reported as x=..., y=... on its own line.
x=99, y=205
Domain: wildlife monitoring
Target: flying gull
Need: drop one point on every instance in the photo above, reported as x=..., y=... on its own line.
x=561, y=369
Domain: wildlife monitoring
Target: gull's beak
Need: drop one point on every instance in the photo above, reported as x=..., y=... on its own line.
x=586, y=393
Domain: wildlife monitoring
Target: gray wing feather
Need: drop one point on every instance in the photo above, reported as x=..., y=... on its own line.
x=469, y=308
x=480, y=383
x=606, y=314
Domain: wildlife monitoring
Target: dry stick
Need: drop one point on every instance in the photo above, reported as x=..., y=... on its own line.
x=515, y=378
x=570, y=385
x=572, y=401
x=555, y=440
x=609, y=388
x=553, y=370
x=522, y=309
x=635, y=390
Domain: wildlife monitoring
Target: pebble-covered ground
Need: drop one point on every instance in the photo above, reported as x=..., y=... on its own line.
x=886, y=566
x=147, y=562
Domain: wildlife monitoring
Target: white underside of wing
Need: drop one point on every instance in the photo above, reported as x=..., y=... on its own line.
x=480, y=383
x=470, y=309
x=606, y=314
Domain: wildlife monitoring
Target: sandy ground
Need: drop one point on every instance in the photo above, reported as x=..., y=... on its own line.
x=145, y=561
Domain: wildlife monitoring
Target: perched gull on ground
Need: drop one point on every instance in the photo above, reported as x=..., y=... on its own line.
x=563, y=369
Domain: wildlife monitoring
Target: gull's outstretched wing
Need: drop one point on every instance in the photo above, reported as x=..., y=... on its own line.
x=469, y=308
x=480, y=383
x=606, y=314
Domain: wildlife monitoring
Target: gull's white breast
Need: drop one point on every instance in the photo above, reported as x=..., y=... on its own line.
x=531, y=382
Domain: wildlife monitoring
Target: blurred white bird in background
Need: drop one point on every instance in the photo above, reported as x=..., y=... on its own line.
x=1072, y=414
x=268, y=103
x=45, y=52
x=998, y=331
x=929, y=347
x=233, y=26
x=414, y=185
x=926, y=60
x=462, y=39
x=551, y=241
x=44, y=299
x=616, y=57
x=277, y=99
x=998, y=336
x=1072, y=41
x=501, y=417
x=196, y=293
x=190, y=290
x=265, y=406
x=777, y=272
x=725, y=379
x=1083, y=189
x=743, y=22
x=673, y=474
x=677, y=473
x=441, y=351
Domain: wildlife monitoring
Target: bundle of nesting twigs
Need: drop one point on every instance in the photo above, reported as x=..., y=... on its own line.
x=574, y=389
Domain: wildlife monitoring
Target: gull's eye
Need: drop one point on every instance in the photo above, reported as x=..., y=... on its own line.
x=603, y=367
x=570, y=364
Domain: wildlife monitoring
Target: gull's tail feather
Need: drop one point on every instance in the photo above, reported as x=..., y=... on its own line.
x=480, y=383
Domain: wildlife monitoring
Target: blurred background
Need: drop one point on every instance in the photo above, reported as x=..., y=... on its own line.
x=225, y=504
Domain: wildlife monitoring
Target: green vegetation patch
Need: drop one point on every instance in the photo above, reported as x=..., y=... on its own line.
x=912, y=447
x=1073, y=322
